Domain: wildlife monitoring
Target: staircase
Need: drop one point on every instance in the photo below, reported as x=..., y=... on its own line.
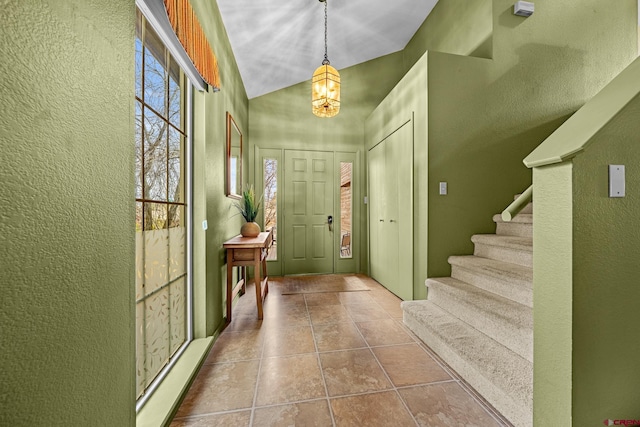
x=480, y=320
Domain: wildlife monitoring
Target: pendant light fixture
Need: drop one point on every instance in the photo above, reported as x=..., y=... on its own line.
x=325, y=84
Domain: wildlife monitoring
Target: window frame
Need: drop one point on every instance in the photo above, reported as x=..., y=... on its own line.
x=186, y=203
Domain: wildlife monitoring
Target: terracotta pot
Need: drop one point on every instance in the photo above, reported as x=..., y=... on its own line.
x=250, y=229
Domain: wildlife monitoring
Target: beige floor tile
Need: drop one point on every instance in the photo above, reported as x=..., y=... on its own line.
x=235, y=419
x=384, y=332
x=445, y=405
x=338, y=336
x=366, y=312
x=392, y=308
x=322, y=314
x=252, y=356
x=221, y=387
x=287, y=316
x=322, y=299
x=352, y=371
x=288, y=341
x=361, y=279
x=372, y=410
x=409, y=365
x=243, y=322
x=312, y=414
x=382, y=296
x=359, y=297
x=289, y=379
x=280, y=302
x=236, y=346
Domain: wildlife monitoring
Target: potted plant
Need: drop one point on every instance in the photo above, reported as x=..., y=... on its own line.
x=248, y=208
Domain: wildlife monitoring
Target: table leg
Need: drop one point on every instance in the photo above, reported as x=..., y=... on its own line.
x=264, y=274
x=258, y=279
x=229, y=283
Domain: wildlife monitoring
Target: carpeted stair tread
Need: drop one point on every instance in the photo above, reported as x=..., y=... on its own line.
x=513, y=249
x=506, y=321
x=509, y=280
x=520, y=225
x=518, y=274
x=511, y=242
x=501, y=376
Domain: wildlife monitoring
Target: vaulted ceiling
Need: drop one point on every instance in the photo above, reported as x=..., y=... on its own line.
x=279, y=43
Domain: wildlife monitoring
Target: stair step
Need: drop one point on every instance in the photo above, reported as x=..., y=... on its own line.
x=520, y=225
x=506, y=321
x=508, y=280
x=513, y=249
x=502, y=377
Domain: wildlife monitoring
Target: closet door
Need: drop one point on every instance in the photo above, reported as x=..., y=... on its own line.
x=392, y=209
x=377, y=211
x=391, y=212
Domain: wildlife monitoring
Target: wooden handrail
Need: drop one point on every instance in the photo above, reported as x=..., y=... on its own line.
x=518, y=204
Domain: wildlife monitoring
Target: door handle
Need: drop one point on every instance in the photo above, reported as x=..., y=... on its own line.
x=330, y=222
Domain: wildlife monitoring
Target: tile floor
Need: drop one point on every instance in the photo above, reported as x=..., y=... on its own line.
x=327, y=358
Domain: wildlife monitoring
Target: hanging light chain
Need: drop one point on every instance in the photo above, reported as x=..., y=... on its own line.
x=326, y=58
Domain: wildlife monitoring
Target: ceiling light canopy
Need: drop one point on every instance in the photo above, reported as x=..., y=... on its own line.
x=325, y=84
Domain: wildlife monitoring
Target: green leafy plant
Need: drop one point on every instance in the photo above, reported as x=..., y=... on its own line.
x=249, y=205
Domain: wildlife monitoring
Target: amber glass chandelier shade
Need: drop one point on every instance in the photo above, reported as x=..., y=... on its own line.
x=325, y=91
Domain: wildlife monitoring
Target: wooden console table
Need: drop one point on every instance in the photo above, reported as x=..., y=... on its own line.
x=244, y=252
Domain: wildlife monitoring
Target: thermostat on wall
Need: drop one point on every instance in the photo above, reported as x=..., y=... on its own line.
x=523, y=8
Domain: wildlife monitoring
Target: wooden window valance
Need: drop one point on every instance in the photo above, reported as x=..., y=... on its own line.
x=188, y=30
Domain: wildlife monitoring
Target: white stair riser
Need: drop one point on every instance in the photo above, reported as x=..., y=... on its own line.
x=514, y=229
x=519, y=414
x=515, y=256
x=516, y=338
x=519, y=292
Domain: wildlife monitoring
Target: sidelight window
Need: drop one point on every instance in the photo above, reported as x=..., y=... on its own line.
x=346, y=208
x=270, y=199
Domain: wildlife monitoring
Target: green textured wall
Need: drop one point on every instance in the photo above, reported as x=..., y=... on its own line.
x=459, y=27
x=485, y=116
x=210, y=202
x=67, y=213
x=606, y=241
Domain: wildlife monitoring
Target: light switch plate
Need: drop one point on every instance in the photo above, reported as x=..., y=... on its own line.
x=443, y=188
x=616, y=181
x=205, y=225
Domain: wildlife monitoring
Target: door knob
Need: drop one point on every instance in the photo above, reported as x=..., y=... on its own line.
x=330, y=222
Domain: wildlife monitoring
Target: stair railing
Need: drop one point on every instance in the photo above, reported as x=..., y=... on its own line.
x=518, y=204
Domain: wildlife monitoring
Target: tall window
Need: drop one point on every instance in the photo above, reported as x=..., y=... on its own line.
x=270, y=168
x=346, y=207
x=160, y=192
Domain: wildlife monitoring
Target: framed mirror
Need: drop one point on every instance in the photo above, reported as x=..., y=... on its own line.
x=234, y=159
